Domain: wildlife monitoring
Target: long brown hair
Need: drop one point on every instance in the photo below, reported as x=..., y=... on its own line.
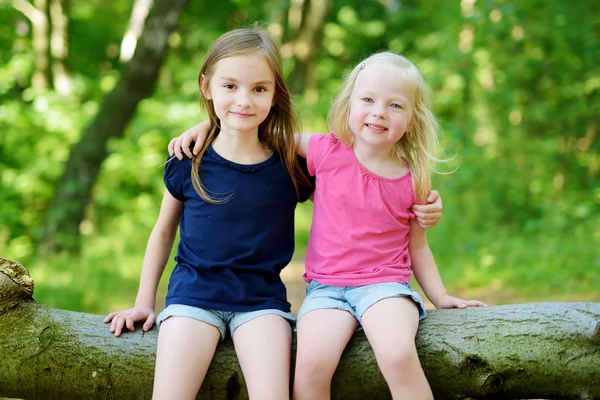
x=277, y=130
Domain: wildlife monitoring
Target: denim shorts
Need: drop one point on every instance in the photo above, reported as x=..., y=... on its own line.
x=355, y=299
x=219, y=319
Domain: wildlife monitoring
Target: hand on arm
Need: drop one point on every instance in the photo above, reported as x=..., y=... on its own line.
x=157, y=253
x=428, y=215
x=427, y=274
x=197, y=134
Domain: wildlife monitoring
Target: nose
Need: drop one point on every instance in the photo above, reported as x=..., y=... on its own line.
x=378, y=111
x=243, y=98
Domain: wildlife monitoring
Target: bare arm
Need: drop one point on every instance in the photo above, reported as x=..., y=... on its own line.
x=181, y=145
x=427, y=274
x=157, y=253
x=302, y=139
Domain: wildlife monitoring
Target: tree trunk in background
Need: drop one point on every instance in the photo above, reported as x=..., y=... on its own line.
x=307, y=44
x=66, y=210
x=59, y=46
x=540, y=350
x=141, y=9
x=38, y=16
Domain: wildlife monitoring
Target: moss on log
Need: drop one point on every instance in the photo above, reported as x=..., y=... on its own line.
x=539, y=350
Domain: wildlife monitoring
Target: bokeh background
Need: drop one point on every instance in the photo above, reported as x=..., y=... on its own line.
x=515, y=84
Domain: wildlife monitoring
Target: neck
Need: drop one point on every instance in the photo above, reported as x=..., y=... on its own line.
x=240, y=148
x=373, y=153
x=380, y=161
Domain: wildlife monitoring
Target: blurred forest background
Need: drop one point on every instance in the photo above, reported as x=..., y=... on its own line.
x=92, y=91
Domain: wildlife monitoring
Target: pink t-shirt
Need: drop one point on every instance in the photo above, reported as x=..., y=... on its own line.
x=360, y=226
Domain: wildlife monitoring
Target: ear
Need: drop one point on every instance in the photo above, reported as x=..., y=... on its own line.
x=204, y=87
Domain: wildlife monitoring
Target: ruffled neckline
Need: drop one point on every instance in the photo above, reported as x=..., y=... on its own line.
x=241, y=167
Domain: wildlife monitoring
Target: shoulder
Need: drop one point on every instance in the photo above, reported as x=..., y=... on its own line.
x=324, y=142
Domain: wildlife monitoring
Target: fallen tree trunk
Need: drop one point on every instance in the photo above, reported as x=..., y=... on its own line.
x=542, y=350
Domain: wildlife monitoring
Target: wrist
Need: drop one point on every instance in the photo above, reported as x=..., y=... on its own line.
x=437, y=300
x=144, y=301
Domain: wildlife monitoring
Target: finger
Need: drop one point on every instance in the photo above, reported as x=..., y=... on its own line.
x=171, y=146
x=113, y=324
x=129, y=321
x=109, y=317
x=197, y=148
x=433, y=195
x=119, y=326
x=476, y=303
x=177, y=148
x=185, y=144
x=149, y=323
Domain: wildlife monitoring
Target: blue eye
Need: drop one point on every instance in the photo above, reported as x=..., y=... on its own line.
x=367, y=100
x=396, y=106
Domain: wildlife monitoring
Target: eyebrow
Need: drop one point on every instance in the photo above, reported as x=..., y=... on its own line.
x=371, y=93
x=226, y=78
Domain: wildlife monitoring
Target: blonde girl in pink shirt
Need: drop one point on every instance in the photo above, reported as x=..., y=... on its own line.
x=365, y=243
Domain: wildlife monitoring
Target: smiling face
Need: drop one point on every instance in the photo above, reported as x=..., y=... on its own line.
x=242, y=90
x=380, y=106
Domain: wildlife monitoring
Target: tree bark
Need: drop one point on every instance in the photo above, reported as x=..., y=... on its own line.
x=540, y=350
x=66, y=210
x=37, y=14
x=307, y=45
x=59, y=46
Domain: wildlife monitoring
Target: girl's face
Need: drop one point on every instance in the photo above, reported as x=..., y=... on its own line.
x=242, y=89
x=380, y=106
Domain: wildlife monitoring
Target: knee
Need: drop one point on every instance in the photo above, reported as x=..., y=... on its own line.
x=311, y=367
x=398, y=360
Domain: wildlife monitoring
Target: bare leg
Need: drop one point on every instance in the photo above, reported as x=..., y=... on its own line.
x=185, y=349
x=322, y=337
x=263, y=346
x=391, y=326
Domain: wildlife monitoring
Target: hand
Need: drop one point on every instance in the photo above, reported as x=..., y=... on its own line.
x=448, y=301
x=197, y=134
x=428, y=215
x=183, y=143
x=127, y=318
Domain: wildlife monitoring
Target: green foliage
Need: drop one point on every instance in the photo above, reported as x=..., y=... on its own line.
x=515, y=84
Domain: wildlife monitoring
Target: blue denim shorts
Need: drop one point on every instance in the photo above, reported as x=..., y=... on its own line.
x=219, y=319
x=355, y=299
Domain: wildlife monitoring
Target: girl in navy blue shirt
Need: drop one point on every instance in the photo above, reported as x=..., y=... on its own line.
x=234, y=204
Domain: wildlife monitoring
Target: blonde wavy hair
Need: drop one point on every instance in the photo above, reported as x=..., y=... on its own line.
x=417, y=145
x=277, y=130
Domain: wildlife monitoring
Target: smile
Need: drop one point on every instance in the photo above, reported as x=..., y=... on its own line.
x=376, y=128
x=241, y=115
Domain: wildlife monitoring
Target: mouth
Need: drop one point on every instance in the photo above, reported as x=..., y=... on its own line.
x=241, y=115
x=376, y=128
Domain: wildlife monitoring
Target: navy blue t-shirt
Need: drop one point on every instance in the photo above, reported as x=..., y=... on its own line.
x=230, y=255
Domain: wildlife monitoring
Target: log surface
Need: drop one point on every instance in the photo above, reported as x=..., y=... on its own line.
x=521, y=351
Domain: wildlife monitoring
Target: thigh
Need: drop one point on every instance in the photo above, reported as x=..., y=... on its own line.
x=323, y=335
x=263, y=346
x=391, y=323
x=185, y=349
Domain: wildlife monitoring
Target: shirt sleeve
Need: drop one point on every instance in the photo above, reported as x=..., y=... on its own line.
x=175, y=174
x=318, y=146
